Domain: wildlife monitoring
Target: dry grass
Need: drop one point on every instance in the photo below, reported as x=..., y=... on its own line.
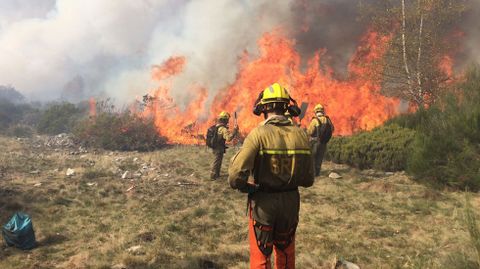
x=90, y=220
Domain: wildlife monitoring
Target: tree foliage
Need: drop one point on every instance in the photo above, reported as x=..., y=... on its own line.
x=14, y=113
x=447, y=145
x=59, y=118
x=10, y=94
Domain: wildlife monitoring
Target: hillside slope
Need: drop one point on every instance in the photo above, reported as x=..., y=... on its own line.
x=169, y=215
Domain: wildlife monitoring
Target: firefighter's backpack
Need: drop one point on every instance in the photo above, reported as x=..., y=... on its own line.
x=212, y=136
x=325, y=131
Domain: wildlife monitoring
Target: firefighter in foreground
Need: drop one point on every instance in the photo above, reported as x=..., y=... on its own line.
x=320, y=131
x=217, y=135
x=274, y=161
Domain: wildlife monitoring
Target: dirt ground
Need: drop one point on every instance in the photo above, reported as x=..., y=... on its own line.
x=165, y=213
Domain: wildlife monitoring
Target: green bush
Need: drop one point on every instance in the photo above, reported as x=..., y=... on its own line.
x=59, y=118
x=119, y=131
x=411, y=120
x=20, y=130
x=13, y=113
x=446, y=149
x=384, y=148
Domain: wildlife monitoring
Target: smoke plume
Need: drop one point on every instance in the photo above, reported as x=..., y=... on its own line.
x=76, y=49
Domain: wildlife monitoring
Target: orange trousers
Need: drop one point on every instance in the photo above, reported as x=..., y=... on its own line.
x=284, y=259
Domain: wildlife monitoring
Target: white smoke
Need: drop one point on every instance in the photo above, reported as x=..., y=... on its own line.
x=211, y=35
x=111, y=45
x=472, y=30
x=50, y=48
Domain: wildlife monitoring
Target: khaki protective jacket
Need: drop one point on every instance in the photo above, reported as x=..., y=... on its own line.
x=277, y=155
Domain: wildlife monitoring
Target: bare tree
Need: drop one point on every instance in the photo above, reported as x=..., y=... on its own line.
x=422, y=38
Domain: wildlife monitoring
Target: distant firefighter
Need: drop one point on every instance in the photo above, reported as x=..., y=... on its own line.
x=273, y=162
x=320, y=131
x=217, y=136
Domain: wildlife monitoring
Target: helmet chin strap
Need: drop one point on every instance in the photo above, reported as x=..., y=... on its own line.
x=293, y=101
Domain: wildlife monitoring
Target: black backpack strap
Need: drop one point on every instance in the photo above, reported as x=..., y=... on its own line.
x=317, y=128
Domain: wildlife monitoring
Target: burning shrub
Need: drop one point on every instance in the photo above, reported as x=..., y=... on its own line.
x=447, y=146
x=119, y=131
x=59, y=118
x=384, y=148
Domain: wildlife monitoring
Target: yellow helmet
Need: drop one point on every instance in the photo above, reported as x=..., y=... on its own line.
x=224, y=115
x=318, y=108
x=275, y=93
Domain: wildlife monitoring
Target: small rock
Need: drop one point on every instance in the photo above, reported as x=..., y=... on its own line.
x=346, y=265
x=389, y=173
x=136, y=250
x=137, y=175
x=334, y=175
x=135, y=159
x=37, y=184
x=119, y=266
x=70, y=172
x=127, y=175
x=91, y=184
x=36, y=172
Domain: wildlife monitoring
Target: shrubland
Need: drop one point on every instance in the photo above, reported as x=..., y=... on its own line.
x=439, y=144
x=59, y=118
x=384, y=148
x=119, y=131
x=446, y=149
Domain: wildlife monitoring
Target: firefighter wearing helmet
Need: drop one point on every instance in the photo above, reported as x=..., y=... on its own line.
x=222, y=136
x=320, y=131
x=274, y=161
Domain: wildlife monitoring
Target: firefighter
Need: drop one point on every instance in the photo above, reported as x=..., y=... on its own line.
x=274, y=161
x=223, y=136
x=320, y=131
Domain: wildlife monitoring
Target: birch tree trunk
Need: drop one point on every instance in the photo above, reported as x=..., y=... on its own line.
x=404, y=52
x=419, y=54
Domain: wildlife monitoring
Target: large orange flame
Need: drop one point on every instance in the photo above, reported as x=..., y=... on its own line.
x=353, y=104
x=170, y=67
